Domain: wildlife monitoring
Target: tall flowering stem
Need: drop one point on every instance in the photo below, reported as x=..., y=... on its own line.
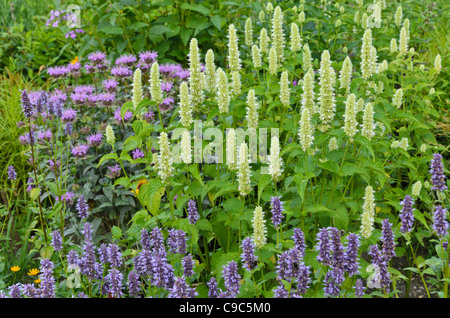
x=28, y=112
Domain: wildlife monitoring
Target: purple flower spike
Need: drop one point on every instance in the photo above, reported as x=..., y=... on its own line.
x=277, y=209
x=192, y=212
x=27, y=108
x=12, y=175
x=56, y=241
x=440, y=224
x=133, y=284
x=351, y=265
x=213, y=291
x=437, y=173
x=231, y=279
x=82, y=207
x=406, y=215
x=299, y=241
x=248, y=254
x=324, y=247
x=387, y=237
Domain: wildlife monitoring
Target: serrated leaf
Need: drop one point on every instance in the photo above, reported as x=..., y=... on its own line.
x=107, y=157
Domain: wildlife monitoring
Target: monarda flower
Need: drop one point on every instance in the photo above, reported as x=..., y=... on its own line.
x=437, y=173
x=155, y=84
x=278, y=35
x=234, y=62
x=223, y=94
x=126, y=60
x=308, y=93
x=231, y=149
x=285, y=93
x=295, y=38
x=406, y=214
x=259, y=228
x=252, y=110
x=346, y=75
x=195, y=81
x=306, y=131
x=263, y=41
x=367, y=58
x=277, y=209
x=137, y=88
x=326, y=90
x=256, y=56
x=248, y=32
x=210, y=72
x=397, y=98
x=121, y=72
x=97, y=57
x=185, y=106
x=186, y=154
x=275, y=162
x=248, y=254
x=244, y=171
x=368, y=125
x=80, y=151
x=440, y=224
x=163, y=160
x=350, y=122
x=95, y=140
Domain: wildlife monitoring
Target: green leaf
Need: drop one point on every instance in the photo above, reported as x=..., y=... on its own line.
x=216, y=21
x=116, y=232
x=228, y=188
x=195, y=7
x=123, y=181
x=112, y=30
x=263, y=183
x=34, y=193
x=131, y=143
x=363, y=141
x=107, y=157
x=159, y=29
x=127, y=106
